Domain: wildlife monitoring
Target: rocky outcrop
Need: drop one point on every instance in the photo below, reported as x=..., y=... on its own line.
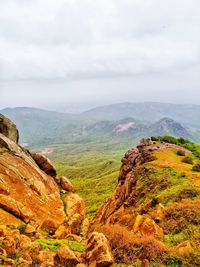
x=65, y=257
x=125, y=190
x=98, y=252
x=27, y=193
x=44, y=164
x=9, y=129
x=66, y=184
x=30, y=199
x=143, y=212
x=75, y=211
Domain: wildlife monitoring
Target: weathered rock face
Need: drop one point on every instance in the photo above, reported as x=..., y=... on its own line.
x=125, y=190
x=27, y=194
x=98, y=252
x=65, y=257
x=66, y=184
x=8, y=128
x=44, y=163
x=75, y=211
x=149, y=204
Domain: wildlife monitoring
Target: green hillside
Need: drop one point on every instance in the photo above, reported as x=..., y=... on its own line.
x=92, y=168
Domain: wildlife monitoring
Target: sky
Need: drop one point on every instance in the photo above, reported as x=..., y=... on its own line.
x=70, y=55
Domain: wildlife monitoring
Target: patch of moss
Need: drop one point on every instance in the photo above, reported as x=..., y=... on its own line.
x=53, y=244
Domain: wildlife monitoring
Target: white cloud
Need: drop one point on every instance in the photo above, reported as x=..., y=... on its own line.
x=74, y=39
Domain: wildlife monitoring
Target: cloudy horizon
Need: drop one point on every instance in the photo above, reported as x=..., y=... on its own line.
x=71, y=55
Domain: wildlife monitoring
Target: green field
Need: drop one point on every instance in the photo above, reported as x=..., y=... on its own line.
x=92, y=168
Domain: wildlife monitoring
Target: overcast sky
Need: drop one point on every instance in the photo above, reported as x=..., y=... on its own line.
x=75, y=54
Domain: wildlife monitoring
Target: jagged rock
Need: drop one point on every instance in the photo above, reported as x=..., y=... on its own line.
x=124, y=192
x=98, y=253
x=10, y=262
x=85, y=227
x=11, y=243
x=66, y=257
x=30, y=193
x=8, y=128
x=75, y=211
x=46, y=258
x=146, y=204
x=24, y=261
x=184, y=249
x=3, y=230
x=62, y=232
x=44, y=163
x=149, y=228
x=66, y=184
x=74, y=237
x=3, y=252
x=25, y=242
x=30, y=229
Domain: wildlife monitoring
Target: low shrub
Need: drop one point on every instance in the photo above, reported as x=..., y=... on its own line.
x=180, y=152
x=187, y=160
x=127, y=247
x=196, y=167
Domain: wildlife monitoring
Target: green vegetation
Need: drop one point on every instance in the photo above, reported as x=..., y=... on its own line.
x=182, y=142
x=92, y=168
x=187, y=160
x=196, y=167
x=53, y=244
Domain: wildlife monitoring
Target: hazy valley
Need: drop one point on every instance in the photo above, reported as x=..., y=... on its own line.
x=145, y=203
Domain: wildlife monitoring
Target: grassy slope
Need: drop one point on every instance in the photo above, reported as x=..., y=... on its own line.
x=92, y=168
x=173, y=184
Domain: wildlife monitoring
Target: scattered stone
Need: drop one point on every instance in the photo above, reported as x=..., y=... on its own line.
x=85, y=227
x=9, y=129
x=81, y=265
x=30, y=229
x=66, y=256
x=46, y=258
x=66, y=184
x=137, y=223
x=151, y=229
x=75, y=211
x=62, y=232
x=45, y=164
x=74, y=237
x=184, y=249
x=98, y=252
x=11, y=243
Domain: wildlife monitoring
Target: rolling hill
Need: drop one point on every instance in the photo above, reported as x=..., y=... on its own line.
x=115, y=123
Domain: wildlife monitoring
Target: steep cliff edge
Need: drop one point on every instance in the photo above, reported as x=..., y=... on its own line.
x=27, y=194
x=153, y=217
x=42, y=219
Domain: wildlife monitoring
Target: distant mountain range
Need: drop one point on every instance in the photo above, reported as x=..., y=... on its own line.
x=188, y=115
x=118, y=122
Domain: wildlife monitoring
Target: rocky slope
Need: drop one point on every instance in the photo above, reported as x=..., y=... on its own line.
x=42, y=220
x=153, y=217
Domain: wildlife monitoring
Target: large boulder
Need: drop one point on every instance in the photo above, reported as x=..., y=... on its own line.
x=98, y=252
x=44, y=163
x=65, y=257
x=46, y=258
x=75, y=211
x=9, y=129
x=27, y=194
x=66, y=184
